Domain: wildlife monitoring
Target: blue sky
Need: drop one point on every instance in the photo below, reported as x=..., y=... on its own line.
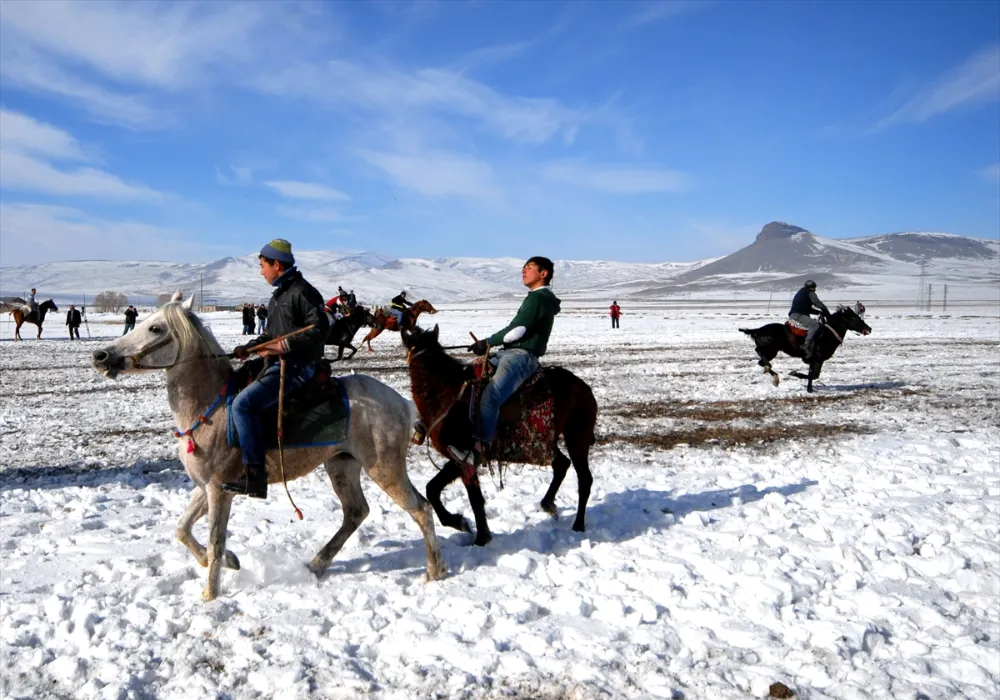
x=617, y=130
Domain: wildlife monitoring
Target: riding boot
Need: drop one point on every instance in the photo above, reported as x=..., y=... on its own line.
x=253, y=483
x=470, y=457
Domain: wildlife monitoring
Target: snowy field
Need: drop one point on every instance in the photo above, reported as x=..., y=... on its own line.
x=845, y=543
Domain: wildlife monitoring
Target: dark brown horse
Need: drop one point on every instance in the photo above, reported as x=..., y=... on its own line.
x=385, y=321
x=21, y=317
x=782, y=337
x=343, y=330
x=437, y=380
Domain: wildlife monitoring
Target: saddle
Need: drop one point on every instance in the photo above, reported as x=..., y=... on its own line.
x=317, y=414
x=796, y=329
x=526, y=426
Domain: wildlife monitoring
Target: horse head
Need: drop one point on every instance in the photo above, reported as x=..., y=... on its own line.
x=422, y=306
x=161, y=341
x=854, y=321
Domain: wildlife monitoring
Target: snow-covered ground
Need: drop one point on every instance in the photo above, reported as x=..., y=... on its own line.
x=846, y=543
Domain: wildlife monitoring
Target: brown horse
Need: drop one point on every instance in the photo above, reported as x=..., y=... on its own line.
x=438, y=381
x=21, y=317
x=385, y=321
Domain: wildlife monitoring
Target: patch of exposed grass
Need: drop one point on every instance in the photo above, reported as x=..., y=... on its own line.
x=720, y=434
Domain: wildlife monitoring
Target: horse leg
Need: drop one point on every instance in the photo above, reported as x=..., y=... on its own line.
x=449, y=472
x=39, y=336
x=390, y=475
x=372, y=334
x=345, y=475
x=353, y=350
x=578, y=447
x=765, y=362
x=196, y=510
x=560, y=465
x=471, y=480
x=219, y=504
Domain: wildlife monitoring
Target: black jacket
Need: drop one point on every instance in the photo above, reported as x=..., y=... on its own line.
x=803, y=302
x=73, y=318
x=400, y=302
x=261, y=313
x=131, y=315
x=296, y=304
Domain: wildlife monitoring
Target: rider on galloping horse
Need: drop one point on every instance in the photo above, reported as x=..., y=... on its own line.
x=398, y=309
x=801, y=312
x=524, y=340
x=295, y=304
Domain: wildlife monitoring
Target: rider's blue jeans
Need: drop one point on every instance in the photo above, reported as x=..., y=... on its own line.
x=262, y=394
x=514, y=366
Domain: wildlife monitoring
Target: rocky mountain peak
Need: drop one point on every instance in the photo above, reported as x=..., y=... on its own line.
x=777, y=230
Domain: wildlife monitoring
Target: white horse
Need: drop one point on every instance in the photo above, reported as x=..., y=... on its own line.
x=173, y=339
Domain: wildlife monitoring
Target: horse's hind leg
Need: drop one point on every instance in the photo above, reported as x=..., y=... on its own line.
x=219, y=504
x=345, y=475
x=578, y=446
x=449, y=472
x=390, y=474
x=765, y=362
x=196, y=510
x=560, y=465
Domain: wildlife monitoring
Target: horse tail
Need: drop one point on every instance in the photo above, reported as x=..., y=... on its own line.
x=752, y=332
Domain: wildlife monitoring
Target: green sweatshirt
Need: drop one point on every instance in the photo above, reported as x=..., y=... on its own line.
x=532, y=325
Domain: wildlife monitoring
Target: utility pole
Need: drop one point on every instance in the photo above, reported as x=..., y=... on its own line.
x=201, y=302
x=771, y=294
x=930, y=294
x=944, y=306
x=921, y=298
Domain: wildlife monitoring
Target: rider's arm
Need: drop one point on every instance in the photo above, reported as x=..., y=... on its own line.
x=818, y=304
x=526, y=317
x=311, y=313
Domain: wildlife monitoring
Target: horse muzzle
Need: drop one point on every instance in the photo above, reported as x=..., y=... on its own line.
x=107, y=364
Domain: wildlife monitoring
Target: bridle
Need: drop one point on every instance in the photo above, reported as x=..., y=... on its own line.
x=163, y=342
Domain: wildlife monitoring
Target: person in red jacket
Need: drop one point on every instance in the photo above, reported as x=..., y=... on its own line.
x=615, y=313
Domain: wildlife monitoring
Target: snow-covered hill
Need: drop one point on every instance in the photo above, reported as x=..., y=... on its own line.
x=876, y=267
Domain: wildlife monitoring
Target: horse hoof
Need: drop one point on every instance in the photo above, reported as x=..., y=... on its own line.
x=483, y=539
x=579, y=527
x=440, y=574
x=551, y=509
x=231, y=561
x=208, y=595
x=775, y=380
x=318, y=568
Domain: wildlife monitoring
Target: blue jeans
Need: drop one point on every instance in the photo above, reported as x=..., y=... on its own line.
x=513, y=368
x=263, y=393
x=399, y=316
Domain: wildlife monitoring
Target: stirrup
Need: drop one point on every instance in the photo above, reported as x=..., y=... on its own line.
x=469, y=457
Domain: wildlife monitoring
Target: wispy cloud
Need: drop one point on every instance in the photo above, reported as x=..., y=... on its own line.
x=616, y=179
x=234, y=175
x=294, y=189
x=991, y=173
x=23, y=134
x=437, y=174
x=30, y=232
x=26, y=148
x=661, y=10
x=976, y=81
x=390, y=91
x=316, y=214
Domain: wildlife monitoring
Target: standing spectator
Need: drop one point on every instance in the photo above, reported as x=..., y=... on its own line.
x=616, y=312
x=859, y=309
x=73, y=320
x=248, y=319
x=130, y=316
x=261, y=318
x=352, y=300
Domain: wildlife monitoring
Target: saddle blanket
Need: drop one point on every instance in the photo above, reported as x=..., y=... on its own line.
x=796, y=329
x=317, y=415
x=526, y=432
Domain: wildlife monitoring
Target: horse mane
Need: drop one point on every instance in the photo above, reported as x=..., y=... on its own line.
x=442, y=365
x=189, y=330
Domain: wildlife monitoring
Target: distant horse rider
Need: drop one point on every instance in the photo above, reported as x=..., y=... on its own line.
x=398, y=308
x=804, y=304
x=32, y=304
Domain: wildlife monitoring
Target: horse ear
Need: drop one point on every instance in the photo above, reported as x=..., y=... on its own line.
x=177, y=296
x=435, y=331
x=189, y=304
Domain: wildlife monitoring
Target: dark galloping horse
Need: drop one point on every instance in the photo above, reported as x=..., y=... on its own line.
x=343, y=330
x=780, y=337
x=436, y=379
x=21, y=317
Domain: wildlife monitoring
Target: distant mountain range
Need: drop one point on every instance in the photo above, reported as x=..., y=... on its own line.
x=779, y=259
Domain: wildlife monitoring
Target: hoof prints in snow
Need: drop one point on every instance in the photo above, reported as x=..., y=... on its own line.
x=852, y=554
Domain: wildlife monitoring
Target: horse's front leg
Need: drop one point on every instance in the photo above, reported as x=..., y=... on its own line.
x=471, y=480
x=196, y=510
x=219, y=504
x=449, y=472
x=372, y=334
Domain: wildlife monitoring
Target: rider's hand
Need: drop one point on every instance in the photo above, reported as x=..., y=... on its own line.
x=479, y=347
x=240, y=352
